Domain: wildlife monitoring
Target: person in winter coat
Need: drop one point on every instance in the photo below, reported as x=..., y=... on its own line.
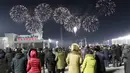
x=127, y=63
x=2, y=55
x=60, y=61
x=50, y=61
x=106, y=55
x=45, y=52
x=41, y=56
x=100, y=67
x=118, y=55
x=8, y=59
x=89, y=63
x=114, y=57
x=33, y=65
x=124, y=56
x=19, y=62
x=74, y=59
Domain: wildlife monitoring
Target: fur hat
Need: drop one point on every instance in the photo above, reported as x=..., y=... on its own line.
x=74, y=47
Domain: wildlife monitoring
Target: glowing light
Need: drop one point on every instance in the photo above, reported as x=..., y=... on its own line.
x=75, y=29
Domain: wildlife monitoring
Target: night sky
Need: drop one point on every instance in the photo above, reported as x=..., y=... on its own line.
x=112, y=26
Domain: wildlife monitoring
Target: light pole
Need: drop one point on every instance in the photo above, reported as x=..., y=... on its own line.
x=85, y=41
x=81, y=43
x=61, y=35
x=75, y=30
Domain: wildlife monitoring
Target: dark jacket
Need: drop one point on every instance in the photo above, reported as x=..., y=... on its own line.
x=41, y=56
x=106, y=54
x=100, y=63
x=50, y=60
x=2, y=54
x=118, y=52
x=8, y=58
x=124, y=54
x=18, y=64
x=128, y=62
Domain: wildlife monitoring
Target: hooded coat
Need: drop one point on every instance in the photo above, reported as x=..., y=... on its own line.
x=74, y=59
x=33, y=65
x=60, y=60
x=89, y=64
x=18, y=64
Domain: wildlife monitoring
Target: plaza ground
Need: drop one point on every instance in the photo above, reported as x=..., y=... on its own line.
x=109, y=70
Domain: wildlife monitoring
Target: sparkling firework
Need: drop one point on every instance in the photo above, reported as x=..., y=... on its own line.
x=90, y=23
x=61, y=14
x=43, y=12
x=33, y=25
x=107, y=7
x=72, y=22
x=19, y=13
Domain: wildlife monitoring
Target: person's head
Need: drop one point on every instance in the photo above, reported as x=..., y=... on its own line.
x=89, y=51
x=19, y=51
x=8, y=50
x=126, y=47
x=97, y=48
x=40, y=49
x=33, y=54
x=59, y=49
x=75, y=47
x=88, y=47
x=49, y=49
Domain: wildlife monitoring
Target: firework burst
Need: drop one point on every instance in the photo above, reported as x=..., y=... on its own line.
x=33, y=25
x=19, y=13
x=90, y=23
x=106, y=7
x=43, y=12
x=61, y=14
x=72, y=22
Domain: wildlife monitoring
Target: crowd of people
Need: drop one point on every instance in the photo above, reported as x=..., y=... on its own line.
x=90, y=59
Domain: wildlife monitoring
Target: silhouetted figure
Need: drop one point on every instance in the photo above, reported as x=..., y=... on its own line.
x=8, y=59
x=19, y=63
x=50, y=61
x=100, y=61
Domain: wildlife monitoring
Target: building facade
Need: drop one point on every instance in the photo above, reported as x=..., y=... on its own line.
x=19, y=41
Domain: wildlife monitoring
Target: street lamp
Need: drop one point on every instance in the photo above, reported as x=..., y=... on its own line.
x=75, y=30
